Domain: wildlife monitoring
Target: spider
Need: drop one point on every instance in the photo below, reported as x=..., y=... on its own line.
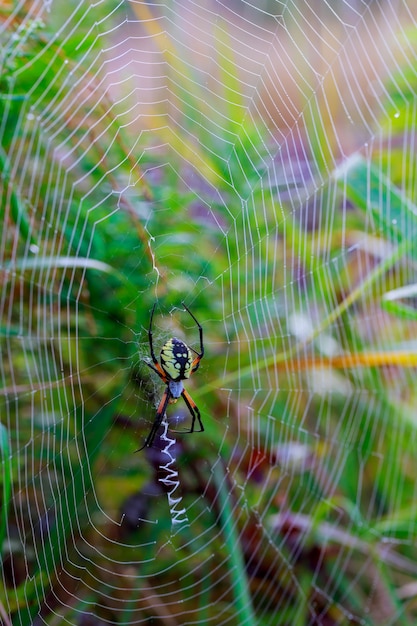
x=177, y=364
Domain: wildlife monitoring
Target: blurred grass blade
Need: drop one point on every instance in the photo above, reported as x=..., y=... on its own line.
x=182, y=89
x=6, y=482
x=392, y=302
x=17, y=210
x=239, y=582
x=64, y=262
x=369, y=189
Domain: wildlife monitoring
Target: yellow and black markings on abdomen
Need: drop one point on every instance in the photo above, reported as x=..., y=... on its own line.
x=176, y=359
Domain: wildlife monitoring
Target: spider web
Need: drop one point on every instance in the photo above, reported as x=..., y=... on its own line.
x=257, y=162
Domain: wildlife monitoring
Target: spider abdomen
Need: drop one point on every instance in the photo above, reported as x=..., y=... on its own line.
x=176, y=359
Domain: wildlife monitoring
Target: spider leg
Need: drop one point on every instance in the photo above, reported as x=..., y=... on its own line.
x=160, y=412
x=150, y=336
x=158, y=369
x=196, y=362
x=195, y=413
x=156, y=366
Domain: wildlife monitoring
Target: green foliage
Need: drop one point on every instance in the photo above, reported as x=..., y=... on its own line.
x=75, y=335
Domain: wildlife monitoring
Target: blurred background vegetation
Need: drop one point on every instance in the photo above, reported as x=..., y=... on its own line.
x=282, y=212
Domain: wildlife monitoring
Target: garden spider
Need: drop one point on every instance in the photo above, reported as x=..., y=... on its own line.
x=177, y=364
